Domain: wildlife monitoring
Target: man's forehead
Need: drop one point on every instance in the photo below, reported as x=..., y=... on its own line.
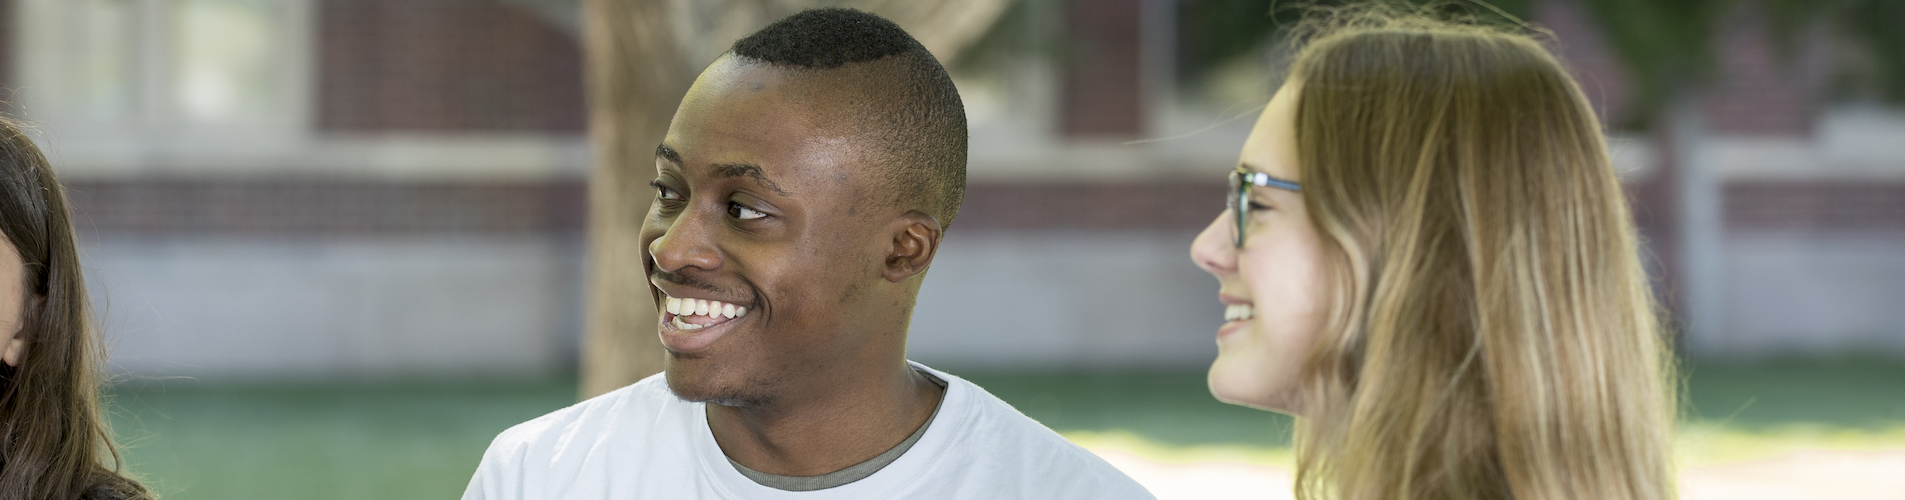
x=730, y=121
x=804, y=161
x=763, y=104
x=844, y=94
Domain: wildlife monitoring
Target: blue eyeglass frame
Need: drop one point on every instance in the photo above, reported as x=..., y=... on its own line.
x=1240, y=182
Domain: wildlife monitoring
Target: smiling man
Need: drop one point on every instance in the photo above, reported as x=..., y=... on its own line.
x=802, y=191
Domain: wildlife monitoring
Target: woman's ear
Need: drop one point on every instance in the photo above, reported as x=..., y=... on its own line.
x=914, y=244
x=16, y=347
x=16, y=344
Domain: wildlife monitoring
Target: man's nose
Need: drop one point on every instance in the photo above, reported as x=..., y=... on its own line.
x=687, y=242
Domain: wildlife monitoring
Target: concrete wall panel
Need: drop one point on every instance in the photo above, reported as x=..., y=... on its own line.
x=373, y=307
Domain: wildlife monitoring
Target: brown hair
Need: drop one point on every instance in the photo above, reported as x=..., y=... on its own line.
x=1492, y=333
x=52, y=439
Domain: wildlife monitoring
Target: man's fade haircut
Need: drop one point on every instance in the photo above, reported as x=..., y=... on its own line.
x=920, y=124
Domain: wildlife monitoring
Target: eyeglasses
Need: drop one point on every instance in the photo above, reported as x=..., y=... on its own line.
x=1240, y=182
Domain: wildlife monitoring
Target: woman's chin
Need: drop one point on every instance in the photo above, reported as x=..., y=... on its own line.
x=1247, y=389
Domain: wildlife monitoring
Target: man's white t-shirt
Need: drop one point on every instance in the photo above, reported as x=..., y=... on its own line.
x=641, y=441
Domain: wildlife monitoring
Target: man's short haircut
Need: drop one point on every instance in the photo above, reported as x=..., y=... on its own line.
x=919, y=122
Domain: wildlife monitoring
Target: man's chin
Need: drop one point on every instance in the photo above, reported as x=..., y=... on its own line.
x=692, y=385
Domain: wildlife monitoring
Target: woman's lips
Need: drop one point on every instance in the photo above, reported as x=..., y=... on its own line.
x=1235, y=312
x=1235, y=317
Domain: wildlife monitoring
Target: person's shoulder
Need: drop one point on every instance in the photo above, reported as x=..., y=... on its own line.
x=588, y=421
x=1045, y=464
x=588, y=449
x=991, y=416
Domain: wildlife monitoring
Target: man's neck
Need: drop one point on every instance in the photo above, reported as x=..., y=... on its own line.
x=848, y=424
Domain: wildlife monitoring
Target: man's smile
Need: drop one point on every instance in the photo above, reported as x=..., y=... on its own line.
x=695, y=314
x=690, y=325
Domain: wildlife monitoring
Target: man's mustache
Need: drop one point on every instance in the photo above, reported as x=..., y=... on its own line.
x=686, y=281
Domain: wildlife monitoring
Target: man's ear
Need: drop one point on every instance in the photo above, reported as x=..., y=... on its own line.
x=914, y=243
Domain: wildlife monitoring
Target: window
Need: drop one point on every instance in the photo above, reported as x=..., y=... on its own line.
x=100, y=66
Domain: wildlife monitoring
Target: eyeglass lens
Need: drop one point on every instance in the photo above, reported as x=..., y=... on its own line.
x=1239, y=206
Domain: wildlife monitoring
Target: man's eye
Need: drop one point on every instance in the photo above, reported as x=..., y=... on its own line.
x=1258, y=207
x=666, y=193
x=742, y=212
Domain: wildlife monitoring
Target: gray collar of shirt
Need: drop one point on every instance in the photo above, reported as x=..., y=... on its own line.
x=850, y=474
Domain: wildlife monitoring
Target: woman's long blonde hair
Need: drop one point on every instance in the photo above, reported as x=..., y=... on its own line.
x=1492, y=333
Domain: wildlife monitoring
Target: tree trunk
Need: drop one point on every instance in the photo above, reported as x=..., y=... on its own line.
x=641, y=56
x=628, y=113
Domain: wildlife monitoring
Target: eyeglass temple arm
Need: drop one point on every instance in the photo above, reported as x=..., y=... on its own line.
x=1265, y=180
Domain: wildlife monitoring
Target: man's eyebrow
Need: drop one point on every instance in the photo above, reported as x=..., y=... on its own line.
x=667, y=153
x=749, y=171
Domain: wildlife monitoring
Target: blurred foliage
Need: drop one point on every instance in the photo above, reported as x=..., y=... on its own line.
x=1211, y=33
x=1665, y=44
x=1668, y=45
x=1877, y=31
x=1022, y=31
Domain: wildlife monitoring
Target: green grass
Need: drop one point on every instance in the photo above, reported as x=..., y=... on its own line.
x=1853, y=394
x=1173, y=408
x=1737, y=412
x=193, y=440
x=1166, y=416
x=230, y=440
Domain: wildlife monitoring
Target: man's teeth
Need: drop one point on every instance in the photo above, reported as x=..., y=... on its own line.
x=697, y=307
x=1236, y=312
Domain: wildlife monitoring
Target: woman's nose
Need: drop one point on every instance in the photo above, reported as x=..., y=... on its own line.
x=1213, y=249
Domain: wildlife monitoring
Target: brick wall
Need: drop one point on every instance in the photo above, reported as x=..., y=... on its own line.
x=6, y=49
x=1760, y=85
x=1818, y=206
x=1102, y=92
x=1764, y=87
x=457, y=65
x=1585, y=51
x=444, y=65
x=304, y=208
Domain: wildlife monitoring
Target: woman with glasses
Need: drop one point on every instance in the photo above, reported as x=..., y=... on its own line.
x=1428, y=259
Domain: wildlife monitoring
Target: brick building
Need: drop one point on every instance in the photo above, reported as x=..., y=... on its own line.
x=322, y=187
